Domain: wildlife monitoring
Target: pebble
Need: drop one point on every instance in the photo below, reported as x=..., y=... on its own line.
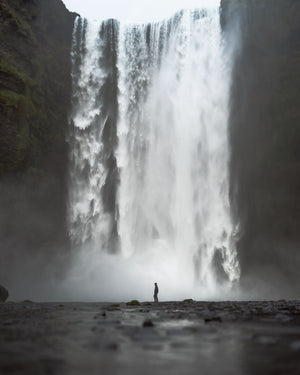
x=267, y=340
x=148, y=323
x=295, y=345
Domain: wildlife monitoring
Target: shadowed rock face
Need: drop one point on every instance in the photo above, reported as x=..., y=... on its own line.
x=265, y=135
x=3, y=294
x=34, y=103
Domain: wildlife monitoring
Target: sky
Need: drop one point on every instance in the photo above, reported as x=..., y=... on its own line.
x=133, y=10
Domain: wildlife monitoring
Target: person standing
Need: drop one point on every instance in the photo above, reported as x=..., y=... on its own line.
x=155, y=292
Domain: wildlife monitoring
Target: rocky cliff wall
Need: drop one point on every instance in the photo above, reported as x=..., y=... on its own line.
x=265, y=137
x=34, y=103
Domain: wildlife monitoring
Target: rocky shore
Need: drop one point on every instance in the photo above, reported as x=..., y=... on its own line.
x=177, y=337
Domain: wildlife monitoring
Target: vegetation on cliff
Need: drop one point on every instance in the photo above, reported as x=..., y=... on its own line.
x=34, y=84
x=35, y=89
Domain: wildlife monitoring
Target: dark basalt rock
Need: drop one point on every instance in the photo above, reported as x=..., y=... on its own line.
x=264, y=135
x=3, y=294
x=217, y=265
x=148, y=323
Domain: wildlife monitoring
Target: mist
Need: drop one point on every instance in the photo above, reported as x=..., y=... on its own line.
x=90, y=276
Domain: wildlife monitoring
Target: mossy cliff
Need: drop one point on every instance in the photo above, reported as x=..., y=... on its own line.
x=34, y=101
x=265, y=134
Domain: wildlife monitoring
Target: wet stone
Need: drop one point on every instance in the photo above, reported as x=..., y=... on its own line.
x=212, y=319
x=111, y=346
x=266, y=340
x=148, y=323
x=295, y=345
x=3, y=294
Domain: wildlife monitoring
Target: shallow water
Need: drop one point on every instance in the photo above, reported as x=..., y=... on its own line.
x=186, y=338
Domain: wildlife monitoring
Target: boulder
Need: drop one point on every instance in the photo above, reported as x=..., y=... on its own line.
x=133, y=303
x=3, y=294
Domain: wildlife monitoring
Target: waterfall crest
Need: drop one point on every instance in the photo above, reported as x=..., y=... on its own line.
x=149, y=148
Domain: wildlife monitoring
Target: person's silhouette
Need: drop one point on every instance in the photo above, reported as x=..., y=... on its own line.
x=155, y=292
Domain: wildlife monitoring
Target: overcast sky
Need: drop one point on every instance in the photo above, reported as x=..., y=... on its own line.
x=132, y=10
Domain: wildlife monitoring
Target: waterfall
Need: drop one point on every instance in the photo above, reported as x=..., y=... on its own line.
x=149, y=149
x=92, y=126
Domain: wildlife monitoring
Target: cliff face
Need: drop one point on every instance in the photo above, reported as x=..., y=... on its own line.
x=265, y=136
x=34, y=102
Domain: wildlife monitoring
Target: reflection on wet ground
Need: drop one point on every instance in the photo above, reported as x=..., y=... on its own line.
x=178, y=337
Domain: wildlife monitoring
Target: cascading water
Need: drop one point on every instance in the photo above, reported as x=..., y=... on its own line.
x=91, y=130
x=149, y=135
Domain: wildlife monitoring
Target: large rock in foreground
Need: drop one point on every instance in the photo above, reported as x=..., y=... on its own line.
x=3, y=294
